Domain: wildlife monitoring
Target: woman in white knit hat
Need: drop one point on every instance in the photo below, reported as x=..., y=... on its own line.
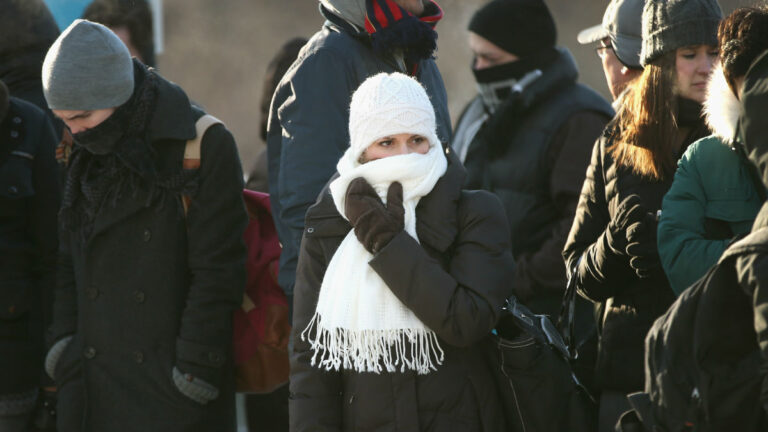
x=401, y=277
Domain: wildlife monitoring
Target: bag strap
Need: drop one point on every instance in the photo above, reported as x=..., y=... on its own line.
x=192, y=151
x=567, y=316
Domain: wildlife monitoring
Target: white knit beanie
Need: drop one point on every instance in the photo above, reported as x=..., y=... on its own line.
x=389, y=104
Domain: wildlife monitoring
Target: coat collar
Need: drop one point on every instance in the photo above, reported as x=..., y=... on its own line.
x=561, y=72
x=173, y=116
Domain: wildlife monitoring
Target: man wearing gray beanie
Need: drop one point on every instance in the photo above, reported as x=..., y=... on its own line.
x=152, y=261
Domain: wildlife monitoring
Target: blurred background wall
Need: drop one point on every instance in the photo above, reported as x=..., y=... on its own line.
x=218, y=50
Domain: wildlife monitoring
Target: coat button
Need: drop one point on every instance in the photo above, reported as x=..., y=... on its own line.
x=17, y=120
x=89, y=352
x=13, y=190
x=147, y=235
x=310, y=230
x=92, y=292
x=14, y=134
x=138, y=357
x=138, y=296
x=215, y=358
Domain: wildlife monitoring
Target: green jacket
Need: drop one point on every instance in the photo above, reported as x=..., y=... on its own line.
x=712, y=199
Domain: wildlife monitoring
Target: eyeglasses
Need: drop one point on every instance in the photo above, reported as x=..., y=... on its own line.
x=602, y=49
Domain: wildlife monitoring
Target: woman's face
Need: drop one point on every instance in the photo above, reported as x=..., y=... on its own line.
x=693, y=65
x=394, y=145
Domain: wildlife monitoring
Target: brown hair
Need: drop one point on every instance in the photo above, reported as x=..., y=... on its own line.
x=645, y=124
x=742, y=36
x=135, y=15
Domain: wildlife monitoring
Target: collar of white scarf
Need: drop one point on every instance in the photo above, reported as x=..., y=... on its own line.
x=359, y=324
x=721, y=107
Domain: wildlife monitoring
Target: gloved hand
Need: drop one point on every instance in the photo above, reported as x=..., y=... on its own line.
x=642, y=247
x=629, y=211
x=198, y=383
x=374, y=223
x=44, y=414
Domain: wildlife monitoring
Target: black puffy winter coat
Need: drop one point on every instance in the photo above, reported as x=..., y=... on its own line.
x=150, y=288
x=627, y=305
x=455, y=282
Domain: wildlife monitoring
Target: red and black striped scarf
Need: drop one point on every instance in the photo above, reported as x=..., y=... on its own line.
x=393, y=28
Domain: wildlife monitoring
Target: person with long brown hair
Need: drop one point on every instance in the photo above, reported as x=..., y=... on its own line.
x=611, y=249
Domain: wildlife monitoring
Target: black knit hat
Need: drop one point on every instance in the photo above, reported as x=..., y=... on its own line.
x=520, y=27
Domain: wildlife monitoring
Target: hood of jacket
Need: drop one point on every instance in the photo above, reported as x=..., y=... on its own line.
x=721, y=107
x=753, y=128
x=352, y=11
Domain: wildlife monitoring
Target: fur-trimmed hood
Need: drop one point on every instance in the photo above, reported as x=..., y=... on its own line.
x=721, y=108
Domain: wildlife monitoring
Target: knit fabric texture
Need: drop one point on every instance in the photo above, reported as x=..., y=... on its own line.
x=519, y=27
x=389, y=104
x=359, y=324
x=672, y=24
x=87, y=68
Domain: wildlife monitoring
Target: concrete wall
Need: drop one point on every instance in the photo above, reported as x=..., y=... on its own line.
x=218, y=51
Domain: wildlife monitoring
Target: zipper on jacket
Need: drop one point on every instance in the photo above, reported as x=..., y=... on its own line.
x=514, y=392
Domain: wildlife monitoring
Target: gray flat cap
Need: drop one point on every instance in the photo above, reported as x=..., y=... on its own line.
x=87, y=68
x=622, y=23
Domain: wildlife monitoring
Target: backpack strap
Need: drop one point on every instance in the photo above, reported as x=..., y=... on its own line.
x=192, y=151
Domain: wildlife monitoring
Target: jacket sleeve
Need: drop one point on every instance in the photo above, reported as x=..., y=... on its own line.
x=752, y=274
x=685, y=253
x=216, y=253
x=569, y=156
x=462, y=303
x=315, y=401
x=64, y=320
x=313, y=114
x=597, y=267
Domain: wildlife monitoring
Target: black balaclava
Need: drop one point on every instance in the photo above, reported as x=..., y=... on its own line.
x=524, y=28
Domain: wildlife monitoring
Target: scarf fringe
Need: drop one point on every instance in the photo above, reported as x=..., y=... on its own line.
x=373, y=350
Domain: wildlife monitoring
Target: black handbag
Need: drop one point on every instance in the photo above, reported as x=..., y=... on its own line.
x=536, y=382
x=577, y=323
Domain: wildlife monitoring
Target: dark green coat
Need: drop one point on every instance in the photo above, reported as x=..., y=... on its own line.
x=711, y=200
x=150, y=286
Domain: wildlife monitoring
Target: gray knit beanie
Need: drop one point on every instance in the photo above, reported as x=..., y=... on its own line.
x=672, y=24
x=87, y=68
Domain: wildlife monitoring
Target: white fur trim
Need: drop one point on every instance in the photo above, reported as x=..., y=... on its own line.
x=721, y=108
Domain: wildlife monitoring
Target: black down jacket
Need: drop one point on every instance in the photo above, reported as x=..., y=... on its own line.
x=455, y=282
x=628, y=305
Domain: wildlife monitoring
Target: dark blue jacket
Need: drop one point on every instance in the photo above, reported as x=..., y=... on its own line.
x=309, y=124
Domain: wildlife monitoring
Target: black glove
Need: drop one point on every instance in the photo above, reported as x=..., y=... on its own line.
x=642, y=247
x=629, y=211
x=375, y=224
x=44, y=414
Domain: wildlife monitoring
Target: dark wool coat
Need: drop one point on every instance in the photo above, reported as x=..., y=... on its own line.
x=455, y=282
x=29, y=201
x=309, y=124
x=627, y=305
x=150, y=287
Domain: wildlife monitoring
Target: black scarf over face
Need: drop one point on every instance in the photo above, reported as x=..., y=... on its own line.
x=112, y=159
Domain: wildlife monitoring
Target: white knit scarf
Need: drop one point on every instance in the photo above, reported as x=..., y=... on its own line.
x=359, y=323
